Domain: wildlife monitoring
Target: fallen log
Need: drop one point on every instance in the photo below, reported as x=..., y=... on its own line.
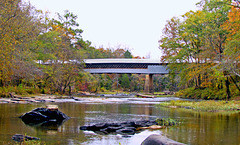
x=145, y=96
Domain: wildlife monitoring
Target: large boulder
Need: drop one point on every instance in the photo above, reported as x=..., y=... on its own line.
x=156, y=139
x=43, y=115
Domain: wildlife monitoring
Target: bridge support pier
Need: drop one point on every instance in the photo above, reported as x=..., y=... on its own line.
x=148, y=87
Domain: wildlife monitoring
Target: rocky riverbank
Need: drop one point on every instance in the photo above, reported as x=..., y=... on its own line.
x=33, y=99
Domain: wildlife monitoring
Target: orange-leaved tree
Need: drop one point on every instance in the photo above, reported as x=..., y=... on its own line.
x=232, y=50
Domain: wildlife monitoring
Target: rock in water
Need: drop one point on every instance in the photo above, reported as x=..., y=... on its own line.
x=124, y=128
x=40, y=115
x=21, y=138
x=156, y=139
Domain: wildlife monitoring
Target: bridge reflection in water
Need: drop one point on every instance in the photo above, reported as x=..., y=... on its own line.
x=128, y=66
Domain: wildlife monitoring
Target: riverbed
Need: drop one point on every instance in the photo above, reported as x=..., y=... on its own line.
x=197, y=128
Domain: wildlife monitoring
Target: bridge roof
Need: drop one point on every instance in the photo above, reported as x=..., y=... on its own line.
x=123, y=60
x=120, y=66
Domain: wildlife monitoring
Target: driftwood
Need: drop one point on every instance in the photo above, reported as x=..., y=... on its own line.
x=144, y=96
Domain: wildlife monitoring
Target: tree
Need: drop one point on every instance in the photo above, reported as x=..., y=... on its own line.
x=57, y=47
x=137, y=82
x=128, y=54
x=195, y=47
x=124, y=81
x=119, y=53
x=19, y=25
x=232, y=25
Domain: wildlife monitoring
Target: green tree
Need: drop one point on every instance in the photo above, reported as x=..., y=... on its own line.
x=195, y=47
x=19, y=26
x=128, y=54
x=136, y=82
x=124, y=81
x=56, y=47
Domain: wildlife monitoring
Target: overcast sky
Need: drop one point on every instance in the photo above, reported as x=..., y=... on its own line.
x=133, y=24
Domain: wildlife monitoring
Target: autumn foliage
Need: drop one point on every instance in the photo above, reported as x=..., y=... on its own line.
x=29, y=38
x=203, y=48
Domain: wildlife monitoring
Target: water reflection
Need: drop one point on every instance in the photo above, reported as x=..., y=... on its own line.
x=197, y=128
x=206, y=128
x=47, y=125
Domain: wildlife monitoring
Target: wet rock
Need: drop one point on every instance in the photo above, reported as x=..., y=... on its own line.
x=188, y=107
x=76, y=99
x=126, y=130
x=110, y=129
x=156, y=139
x=21, y=138
x=129, y=127
x=43, y=115
x=145, y=123
x=128, y=124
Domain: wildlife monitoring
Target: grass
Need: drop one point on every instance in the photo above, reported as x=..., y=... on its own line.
x=167, y=122
x=33, y=142
x=164, y=95
x=114, y=92
x=207, y=106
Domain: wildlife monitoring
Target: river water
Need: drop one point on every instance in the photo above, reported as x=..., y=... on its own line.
x=196, y=128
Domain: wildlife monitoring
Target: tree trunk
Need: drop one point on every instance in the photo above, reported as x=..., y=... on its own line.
x=70, y=89
x=235, y=83
x=227, y=84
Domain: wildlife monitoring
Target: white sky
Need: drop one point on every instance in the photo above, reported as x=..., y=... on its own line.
x=133, y=24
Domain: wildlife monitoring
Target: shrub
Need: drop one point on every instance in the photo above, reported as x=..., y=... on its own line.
x=166, y=122
x=206, y=93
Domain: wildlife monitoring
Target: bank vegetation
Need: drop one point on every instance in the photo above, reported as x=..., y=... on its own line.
x=205, y=106
x=202, y=48
x=35, y=54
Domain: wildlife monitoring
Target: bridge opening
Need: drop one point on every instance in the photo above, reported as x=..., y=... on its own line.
x=128, y=66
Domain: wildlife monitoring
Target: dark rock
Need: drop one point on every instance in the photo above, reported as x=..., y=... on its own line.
x=21, y=138
x=156, y=139
x=98, y=127
x=111, y=129
x=101, y=132
x=126, y=131
x=128, y=123
x=18, y=137
x=115, y=124
x=41, y=115
x=188, y=107
x=145, y=123
x=84, y=128
x=128, y=127
x=126, y=136
x=76, y=99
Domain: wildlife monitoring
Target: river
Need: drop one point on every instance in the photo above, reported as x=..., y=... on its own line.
x=197, y=128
